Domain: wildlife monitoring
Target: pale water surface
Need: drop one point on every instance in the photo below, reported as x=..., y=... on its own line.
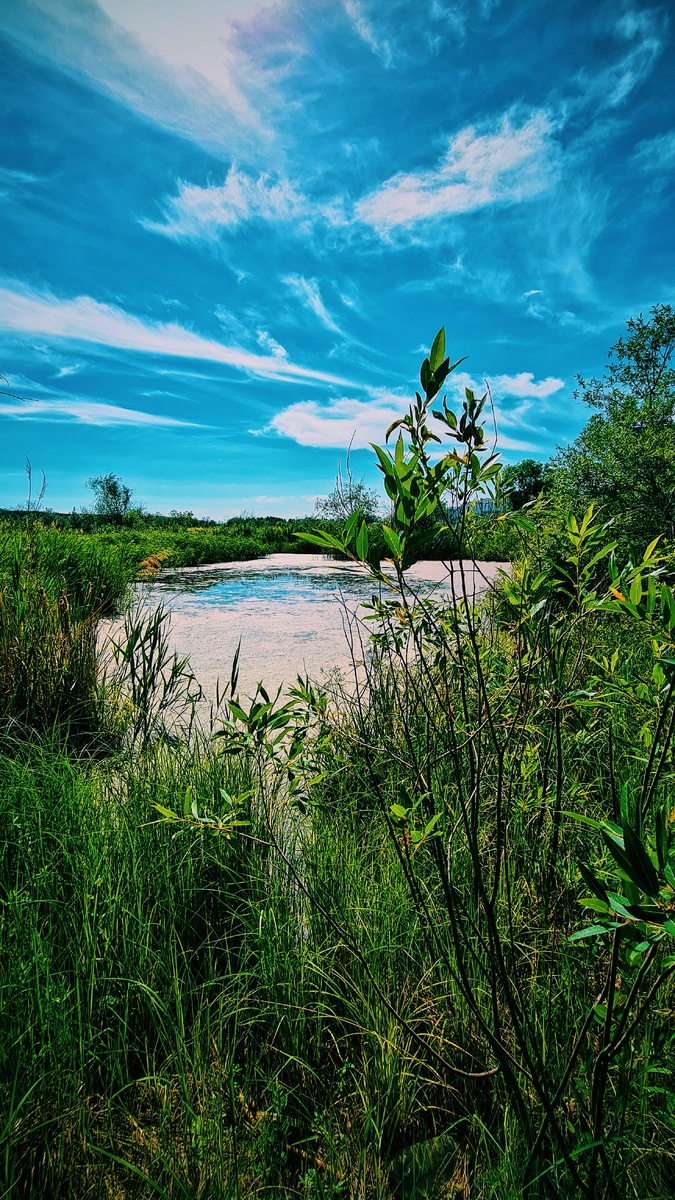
x=288, y=610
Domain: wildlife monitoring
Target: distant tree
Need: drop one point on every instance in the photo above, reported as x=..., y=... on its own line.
x=526, y=480
x=347, y=497
x=112, y=496
x=624, y=458
x=181, y=517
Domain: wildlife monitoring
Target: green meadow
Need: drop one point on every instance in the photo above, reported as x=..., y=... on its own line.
x=409, y=937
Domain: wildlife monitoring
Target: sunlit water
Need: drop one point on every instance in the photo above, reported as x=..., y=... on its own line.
x=289, y=612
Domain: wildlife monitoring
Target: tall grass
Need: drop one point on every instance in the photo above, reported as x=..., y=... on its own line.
x=54, y=588
x=409, y=939
x=278, y=1012
x=173, y=1010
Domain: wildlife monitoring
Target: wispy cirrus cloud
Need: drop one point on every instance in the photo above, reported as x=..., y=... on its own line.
x=207, y=213
x=267, y=342
x=203, y=213
x=177, y=69
x=194, y=35
x=86, y=321
x=308, y=292
x=656, y=156
x=364, y=27
x=87, y=412
x=500, y=162
x=12, y=175
x=642, y=29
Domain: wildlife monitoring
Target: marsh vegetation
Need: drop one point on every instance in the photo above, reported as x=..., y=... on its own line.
x=413, y=937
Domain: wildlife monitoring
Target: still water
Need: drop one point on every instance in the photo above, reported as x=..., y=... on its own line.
x=290, y=611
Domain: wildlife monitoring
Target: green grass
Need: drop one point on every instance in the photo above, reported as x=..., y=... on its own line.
x=308, y=1007
x=172, y=1001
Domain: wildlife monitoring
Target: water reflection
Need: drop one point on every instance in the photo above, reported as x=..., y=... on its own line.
x=225, y=588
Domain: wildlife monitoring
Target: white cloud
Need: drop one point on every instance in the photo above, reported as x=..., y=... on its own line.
x=87, y=412
x=173, y=65
x=203, y=213
x=308, y=293
x=335, y=424
x=523, y=385
x=193, y=35
x=498, y=164
x=267, y=342
x=366, y=30
x=68, y=370
x=345, y=422
x=611, y=85
x=656, y=155
x=83, y=319
x=639, y=29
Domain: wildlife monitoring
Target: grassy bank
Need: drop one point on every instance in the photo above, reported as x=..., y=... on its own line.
x=66, y=540
x=367, y=988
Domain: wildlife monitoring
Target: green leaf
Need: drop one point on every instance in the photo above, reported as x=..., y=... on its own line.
x=623, y=803
x=350, y=527
x=622, y=860
x=619, y=904
x=641, y=862
x=646, y=557
x=669, y=874
x=325, y=540
x=595, y=904
x=167, y=813
x=582, y=818
x=431, y=824
x=591, y=932
x=669, y=927
x=437, y=350
x=648, y=913
x=362, y=542
x=392, y=539
x=593, y=884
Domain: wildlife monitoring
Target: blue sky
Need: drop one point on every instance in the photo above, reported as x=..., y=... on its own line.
x=230, y=230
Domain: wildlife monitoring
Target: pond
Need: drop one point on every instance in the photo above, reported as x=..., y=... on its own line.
x=288, y=610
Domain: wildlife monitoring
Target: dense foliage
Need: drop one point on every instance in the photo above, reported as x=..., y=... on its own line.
x=413, y=937
x=624, y=458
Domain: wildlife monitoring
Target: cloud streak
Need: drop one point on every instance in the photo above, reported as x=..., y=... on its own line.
x=87, y=412
x=656, y=156
x=308, y=293
x=84, y=320
x=502, y=163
